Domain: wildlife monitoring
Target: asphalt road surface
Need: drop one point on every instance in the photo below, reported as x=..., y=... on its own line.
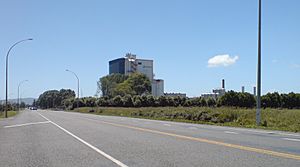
x=57, y=138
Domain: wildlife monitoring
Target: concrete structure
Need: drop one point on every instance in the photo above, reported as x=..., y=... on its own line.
x=216, y=92
x=175, y=95
x=219, y=92
x=130, y=64
x=254, y=91
x=209, y=95
x=158, y=87
x=243, y=89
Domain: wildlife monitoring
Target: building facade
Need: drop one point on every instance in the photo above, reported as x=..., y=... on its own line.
x=158, y=87
x=117, y=66
x=130, y=64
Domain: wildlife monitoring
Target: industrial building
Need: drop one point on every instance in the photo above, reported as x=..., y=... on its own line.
x=182, y=95
x=216, y=92
x=157, y=87
x=130, y=64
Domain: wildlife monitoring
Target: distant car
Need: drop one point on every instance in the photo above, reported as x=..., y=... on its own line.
x=33, y=108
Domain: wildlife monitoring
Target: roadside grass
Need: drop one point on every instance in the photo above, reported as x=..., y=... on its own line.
x=272, y=119
x=9, y=114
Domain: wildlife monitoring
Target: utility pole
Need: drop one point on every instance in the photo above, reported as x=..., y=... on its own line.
x=19, y=93
x=258, y=101
x=77, y=85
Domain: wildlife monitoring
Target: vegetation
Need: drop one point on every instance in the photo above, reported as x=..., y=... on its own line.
x=120, y=85
x=275, y=119
x=9, y=114
x=11, y=107
x=230, y=99
x=130, y=96
x=11, y=110
x=54, y=98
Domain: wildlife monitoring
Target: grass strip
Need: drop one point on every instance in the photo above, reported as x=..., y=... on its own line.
x=272, y=119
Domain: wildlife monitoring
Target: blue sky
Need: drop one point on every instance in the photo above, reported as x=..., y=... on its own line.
x=181, y=36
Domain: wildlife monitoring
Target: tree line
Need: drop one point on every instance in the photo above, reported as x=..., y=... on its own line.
x=230, y=99
x=120, y=90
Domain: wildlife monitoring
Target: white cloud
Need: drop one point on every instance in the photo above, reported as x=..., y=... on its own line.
x=222, y=60
x=294, y=65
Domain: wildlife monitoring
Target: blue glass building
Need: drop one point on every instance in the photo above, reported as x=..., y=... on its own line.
x=117, y=66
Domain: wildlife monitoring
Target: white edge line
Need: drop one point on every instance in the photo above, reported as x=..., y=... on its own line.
x=87, y=144
x=229, y=132
x=290, y=139
x=26, y=124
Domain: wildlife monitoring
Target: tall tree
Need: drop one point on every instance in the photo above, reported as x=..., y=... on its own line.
x=54, y=98
x=107, y=84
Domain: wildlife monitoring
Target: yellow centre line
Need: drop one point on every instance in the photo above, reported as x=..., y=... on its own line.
x=246, y=148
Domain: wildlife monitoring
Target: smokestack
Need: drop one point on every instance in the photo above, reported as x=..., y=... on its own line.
x=223, y=83
x=243, y=89
x=254, y=91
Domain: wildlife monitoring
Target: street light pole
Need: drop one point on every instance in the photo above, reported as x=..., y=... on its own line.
x=258, y=102
x=19, y=93
x=77, y=81
x=77, y=84
x=6, y=79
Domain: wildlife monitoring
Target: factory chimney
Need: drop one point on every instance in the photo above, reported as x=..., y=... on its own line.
x=223, y=83
x=254, y=91
x=243, y=89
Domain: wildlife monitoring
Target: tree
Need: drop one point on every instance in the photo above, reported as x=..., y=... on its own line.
x=103, y=101
x=123, y=89
x=246, y=100
x=139, y=83
x=137, y=101
x=151, y=100
x=211, y=102
x=119, y=84
x=54, y=98
x=107, y=84
x=127, y=101
x=237, y=99
x=22, y=105
x=162, y=101
x=117, y=101
x=203, y=102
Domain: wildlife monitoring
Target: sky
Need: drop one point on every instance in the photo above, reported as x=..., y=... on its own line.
x=194, y=43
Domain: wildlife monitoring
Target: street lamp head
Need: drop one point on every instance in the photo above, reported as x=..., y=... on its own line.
x=30, y=39
x=67, y=70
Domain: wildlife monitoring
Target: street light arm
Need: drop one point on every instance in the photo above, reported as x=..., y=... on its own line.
x=74, y=74
x=29, y=39
x=77, y=80
x=22, y=82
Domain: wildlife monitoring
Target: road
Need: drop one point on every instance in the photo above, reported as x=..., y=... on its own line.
x=57, y=138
